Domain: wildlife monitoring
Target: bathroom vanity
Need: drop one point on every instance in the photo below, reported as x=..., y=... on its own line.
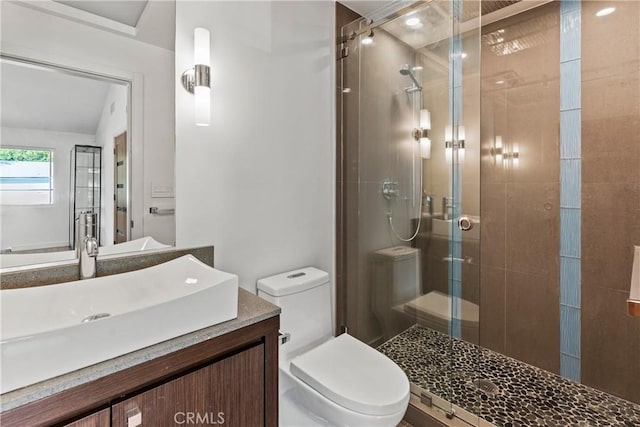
x=225, y=374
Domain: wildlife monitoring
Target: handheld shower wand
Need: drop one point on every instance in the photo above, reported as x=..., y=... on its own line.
x=405, y=70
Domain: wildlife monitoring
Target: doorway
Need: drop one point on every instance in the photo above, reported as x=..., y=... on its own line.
x=120, y=234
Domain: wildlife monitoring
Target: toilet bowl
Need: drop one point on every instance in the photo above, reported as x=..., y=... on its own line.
x=326, y=380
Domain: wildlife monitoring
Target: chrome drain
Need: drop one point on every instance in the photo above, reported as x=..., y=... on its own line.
x=486, y=386
x=95, y=317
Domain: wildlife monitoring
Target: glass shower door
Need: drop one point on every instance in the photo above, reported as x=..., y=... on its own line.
x=86, y=178
x=409, y=88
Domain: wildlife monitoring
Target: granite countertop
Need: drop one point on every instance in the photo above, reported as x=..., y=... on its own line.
x=251, y=309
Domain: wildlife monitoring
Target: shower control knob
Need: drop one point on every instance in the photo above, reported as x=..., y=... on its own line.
x=465, y=223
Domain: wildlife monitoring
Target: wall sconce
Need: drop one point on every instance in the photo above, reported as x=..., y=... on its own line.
x=458, y=143
x=368, y=39
x=496, y=150
x=421, y=134
x=513, y=156
x=196, y=80
x=634, y=294
x=502, y=155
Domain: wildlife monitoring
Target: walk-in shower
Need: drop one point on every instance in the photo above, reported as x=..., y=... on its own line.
x=507, y=303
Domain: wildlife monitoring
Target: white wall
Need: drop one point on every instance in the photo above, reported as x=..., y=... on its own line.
x=111, y=124
x=30, y=33
x=259, y=182
x=41, y=226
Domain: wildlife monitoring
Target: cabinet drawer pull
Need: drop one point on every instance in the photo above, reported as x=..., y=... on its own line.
x=134, y=417
x=283, y=337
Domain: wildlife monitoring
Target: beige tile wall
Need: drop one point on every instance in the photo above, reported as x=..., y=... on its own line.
x=519, y=310
x=610, y=195
x=520, y=207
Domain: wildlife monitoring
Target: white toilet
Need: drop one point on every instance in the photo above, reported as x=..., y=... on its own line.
x=326, y=380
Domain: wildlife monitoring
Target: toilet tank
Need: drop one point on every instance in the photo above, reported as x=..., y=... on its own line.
x=304, y=295
x=397, y=273
x=396, y=281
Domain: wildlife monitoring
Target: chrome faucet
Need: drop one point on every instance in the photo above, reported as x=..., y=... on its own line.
x=88, y=258
x=87, y=244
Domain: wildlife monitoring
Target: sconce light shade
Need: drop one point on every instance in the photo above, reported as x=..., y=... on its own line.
x=202, y=89
x=425, y=119
x=461, y=143
x=425, y=148
x=202, y=103
x=498, y=149
x=196, y=80
x=421, y=134
x=454, y=149
x=634, y=293
x=201, y=46
x=448, y=134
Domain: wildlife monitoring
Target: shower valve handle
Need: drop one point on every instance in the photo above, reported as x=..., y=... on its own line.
x=465, y=223
x=390, y=189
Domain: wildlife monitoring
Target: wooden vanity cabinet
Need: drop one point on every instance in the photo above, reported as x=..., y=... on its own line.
x=228, y=392
x=228, y=380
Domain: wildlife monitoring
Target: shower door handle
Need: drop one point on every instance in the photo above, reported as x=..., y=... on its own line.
x=465, y=223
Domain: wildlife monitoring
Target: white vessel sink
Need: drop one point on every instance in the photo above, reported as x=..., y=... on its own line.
x=10, y=260
x=142, y=244
x=442, y=228
x=43, y=333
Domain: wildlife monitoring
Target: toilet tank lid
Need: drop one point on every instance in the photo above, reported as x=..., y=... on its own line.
x=293, y=282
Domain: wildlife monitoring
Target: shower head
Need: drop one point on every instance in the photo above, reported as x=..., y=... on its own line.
x=405, y=70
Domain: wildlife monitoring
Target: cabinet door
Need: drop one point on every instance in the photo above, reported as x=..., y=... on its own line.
x=229, y=392
x=99, y=419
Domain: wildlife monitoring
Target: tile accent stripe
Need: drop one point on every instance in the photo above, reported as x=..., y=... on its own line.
x=455, y=109
x=570, y=187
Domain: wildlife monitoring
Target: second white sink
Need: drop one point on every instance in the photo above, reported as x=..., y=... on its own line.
x=443, y=227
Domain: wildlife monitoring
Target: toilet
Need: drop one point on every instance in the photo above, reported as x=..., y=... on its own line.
x=327, y=380
x=396, y=280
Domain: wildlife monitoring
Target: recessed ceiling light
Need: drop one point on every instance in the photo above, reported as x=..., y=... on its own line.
x=606, y=11
x=417, y=68
x=499, y=82
x=412, y=22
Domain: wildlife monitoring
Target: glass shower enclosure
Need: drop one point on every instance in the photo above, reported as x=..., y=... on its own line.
x=511, y=325
x=86, y=178
x=409, y=88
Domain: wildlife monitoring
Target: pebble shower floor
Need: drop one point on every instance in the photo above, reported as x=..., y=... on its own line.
x=502, y=390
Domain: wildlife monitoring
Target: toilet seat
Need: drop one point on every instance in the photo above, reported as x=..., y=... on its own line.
x=354, y=375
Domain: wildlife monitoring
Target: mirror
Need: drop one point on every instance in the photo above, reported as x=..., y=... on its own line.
x=87, y=124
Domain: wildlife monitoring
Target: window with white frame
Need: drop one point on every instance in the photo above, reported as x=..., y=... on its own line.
x=26, y=176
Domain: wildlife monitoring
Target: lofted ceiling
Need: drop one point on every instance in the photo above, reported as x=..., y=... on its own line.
x=126, y=12
x=148, y=21
x=35, y=98
x=367, y=7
